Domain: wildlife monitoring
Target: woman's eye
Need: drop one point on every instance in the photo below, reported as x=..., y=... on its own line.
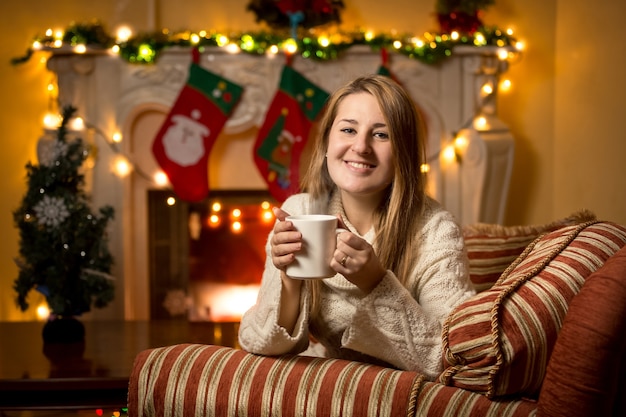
x=347, y=130
x=381, y=135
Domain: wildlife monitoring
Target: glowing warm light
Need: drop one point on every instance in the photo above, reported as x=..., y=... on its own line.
x=267, y=216
x=460, y=145
x=51, y=87
x=369, y=35
x=290, y=46
x=37, y=45
x=80, y=49
x=49, y=32
x=170, y=201
x=323, y=41
x=227, y=302
x=58, y=34
x=506, y=85
x=115, y=49
x=51, y=121
x=481, y=123
x=519, y=45
x=236, y=213
x=117, y=137
x=417, y=42
x=509, y=31
x=232, y=48
x=397, y=44
x=160, y=178
x=487, y=89
x=455, y=35
x=76, y=124
x=121, y=167
x=214, y=220
x=236, y=227
x=503, y=54
x=43, y=312
x=222, y=40
x=265, y=205
x=145, y=51
x=479, y=39
x=195, y=38
x=216, y=206
x=123, y=33
x=424, y=168
x=272, y=50
x=449, y=153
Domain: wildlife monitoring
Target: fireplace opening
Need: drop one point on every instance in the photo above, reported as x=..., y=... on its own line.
x=207, y=258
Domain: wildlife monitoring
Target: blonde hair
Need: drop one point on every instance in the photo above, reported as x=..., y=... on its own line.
x=397, y=217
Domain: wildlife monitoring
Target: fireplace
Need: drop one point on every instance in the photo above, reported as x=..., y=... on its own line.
x=470, y=155
x=206, y=259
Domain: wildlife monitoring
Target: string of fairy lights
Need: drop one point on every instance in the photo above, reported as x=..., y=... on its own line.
x=145, y=49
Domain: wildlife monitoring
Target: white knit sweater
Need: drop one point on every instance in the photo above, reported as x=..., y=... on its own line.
x=394, y=324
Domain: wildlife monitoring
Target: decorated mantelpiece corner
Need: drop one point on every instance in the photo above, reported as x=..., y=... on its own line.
x=63, y=250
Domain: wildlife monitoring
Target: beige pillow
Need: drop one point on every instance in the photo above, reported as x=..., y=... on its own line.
x=492, y=248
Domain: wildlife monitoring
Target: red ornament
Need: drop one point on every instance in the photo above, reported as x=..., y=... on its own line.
x=460, y=22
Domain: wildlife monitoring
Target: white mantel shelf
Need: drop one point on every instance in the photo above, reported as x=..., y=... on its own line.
x=116, y=96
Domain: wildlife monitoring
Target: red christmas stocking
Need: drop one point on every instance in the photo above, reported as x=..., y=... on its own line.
x=285, y=131
x=182, y=145
x=383, y=69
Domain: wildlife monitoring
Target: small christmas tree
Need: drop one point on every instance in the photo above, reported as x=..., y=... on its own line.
x=63, y=244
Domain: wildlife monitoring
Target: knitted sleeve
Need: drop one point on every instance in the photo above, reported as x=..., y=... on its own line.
x=259, y=331
x=402, y=325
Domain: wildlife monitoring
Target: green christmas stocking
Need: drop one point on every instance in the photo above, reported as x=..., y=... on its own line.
x=182, y=145
x=285, y=131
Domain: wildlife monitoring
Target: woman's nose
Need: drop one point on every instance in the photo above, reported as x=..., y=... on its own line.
x=361, y=144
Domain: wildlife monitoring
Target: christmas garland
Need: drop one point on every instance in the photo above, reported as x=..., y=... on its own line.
x=145, y=48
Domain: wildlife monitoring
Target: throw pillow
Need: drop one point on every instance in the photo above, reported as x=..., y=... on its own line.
x=499, y=341
x=491, y=248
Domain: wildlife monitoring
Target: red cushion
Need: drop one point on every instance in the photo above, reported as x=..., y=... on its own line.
x=584, y=369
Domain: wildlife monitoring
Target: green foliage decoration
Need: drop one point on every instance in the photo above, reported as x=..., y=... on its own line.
x=145, y=48
x=63, y=249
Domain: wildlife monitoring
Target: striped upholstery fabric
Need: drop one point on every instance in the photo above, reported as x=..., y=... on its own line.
x=499, y=341
x=491, y=248
x=201, y=380
x=436, y=400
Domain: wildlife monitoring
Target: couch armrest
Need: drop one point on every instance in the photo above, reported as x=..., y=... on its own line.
x=585, y=375
x=204, y=380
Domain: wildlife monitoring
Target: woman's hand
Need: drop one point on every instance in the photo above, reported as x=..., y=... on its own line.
x=356, y=260
x=286, y=240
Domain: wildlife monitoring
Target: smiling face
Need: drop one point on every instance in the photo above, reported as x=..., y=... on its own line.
x=359, y=154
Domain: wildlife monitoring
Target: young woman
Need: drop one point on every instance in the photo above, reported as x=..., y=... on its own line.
x=401, y=266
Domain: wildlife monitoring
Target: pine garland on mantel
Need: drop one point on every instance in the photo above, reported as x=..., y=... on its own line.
x=144, y=48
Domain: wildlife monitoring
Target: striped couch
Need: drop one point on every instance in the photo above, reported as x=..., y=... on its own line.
x=545, y=338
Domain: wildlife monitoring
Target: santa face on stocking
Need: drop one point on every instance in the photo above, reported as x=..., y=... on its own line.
x=183, y=144
x=184, y=139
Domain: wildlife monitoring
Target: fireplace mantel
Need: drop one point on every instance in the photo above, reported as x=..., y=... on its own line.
x=112, y=96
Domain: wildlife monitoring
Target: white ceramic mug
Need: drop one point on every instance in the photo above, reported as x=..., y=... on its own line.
x=318, y=245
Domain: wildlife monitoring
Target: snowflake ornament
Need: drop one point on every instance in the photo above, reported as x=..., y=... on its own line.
x=51, y=211
x=50, y=151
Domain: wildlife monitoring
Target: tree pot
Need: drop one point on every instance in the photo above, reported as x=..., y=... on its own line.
x=63, y=330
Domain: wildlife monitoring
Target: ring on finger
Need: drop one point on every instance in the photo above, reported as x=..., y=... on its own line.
x=343, y=260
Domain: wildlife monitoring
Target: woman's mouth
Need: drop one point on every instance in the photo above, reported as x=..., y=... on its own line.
x=360, y=165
